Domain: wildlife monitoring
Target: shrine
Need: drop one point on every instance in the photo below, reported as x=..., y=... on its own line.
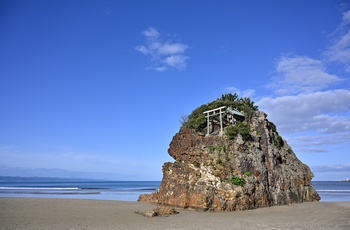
x=222, y=116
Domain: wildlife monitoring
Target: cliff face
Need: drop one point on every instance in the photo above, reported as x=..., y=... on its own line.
x=220, y=174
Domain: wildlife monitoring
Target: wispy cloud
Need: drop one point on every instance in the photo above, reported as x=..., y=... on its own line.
x=241, y=93
x=163, y=55
x=306, y=106
x=339, y=50
x=318, y=143
x=6, y=148
x=64, y=164
x=331, y=172
x=108, y=12
x=8, y=170
x=332, y=168
x=300, y=74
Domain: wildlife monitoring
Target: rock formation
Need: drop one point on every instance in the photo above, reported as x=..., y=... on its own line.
x=218, y=173
x=161, y=210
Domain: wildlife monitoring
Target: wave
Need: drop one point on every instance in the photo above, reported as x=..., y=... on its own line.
x=78, y=188
x=38, y=188
x=149, y=189
x=333, y=190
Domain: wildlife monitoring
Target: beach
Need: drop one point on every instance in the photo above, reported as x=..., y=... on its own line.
x=42, y=213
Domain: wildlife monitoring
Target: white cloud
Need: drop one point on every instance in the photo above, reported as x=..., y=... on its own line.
x=332, y=168
x=304, y=104
x=318, y=143
x=142, y=49
x=176, y=61
x=331, y=172
x=160, y=69
x=170, y=49
x=301, y=74
x=321, y=111
x=151, y=33
x=309, y=112
x=309, y=106
x=241, y=93
x=346, y=17
x=163, y=55
x=339, y=50
x=305, y=107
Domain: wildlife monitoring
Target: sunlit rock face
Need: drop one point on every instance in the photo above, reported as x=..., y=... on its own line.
x=213, y=172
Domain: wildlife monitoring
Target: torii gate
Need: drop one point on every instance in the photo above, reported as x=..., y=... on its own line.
x=233, y=113
x=214, y=112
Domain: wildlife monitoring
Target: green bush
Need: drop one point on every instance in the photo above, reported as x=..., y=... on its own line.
x=242, y=128
x=231, y=131
x=197, y=123
x=211, y=149
x=196, y=120
x=277, y=139
x=237, y=181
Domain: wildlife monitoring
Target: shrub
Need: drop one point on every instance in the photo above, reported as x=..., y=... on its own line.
x=196, y=120
x=242, y=128
x=237, y=181
x=211, y=149
x=231, y=131
x=278, y=141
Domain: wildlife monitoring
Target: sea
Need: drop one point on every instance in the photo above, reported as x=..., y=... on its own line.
x=36, y=187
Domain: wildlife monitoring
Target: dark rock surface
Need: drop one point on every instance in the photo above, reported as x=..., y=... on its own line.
x=220, y=174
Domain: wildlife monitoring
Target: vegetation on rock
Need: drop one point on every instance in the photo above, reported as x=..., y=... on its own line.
x=197, y=121
x=242, y=128
x=237, y=180
x=277, y=139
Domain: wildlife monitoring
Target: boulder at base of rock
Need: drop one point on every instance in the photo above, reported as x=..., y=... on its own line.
x=161, y=210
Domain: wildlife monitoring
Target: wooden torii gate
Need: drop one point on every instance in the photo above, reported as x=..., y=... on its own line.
x=232, y=116
x=214, y=112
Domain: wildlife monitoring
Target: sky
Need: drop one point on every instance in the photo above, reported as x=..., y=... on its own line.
x=97, y=88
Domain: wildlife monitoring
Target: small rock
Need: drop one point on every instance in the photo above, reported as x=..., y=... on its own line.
x=163, y=210
x=147, y=213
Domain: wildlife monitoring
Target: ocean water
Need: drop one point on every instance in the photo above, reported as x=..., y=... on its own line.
x=74, y=188
x=330, y=191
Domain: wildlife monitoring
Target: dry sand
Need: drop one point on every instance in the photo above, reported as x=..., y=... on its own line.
x=28, y=213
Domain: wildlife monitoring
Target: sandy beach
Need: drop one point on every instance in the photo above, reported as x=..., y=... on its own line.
x=28, y=213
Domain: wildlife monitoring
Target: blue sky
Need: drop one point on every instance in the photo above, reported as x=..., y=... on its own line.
x=98, y=87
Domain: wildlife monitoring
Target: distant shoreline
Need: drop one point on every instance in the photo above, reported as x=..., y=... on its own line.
x=330, y=191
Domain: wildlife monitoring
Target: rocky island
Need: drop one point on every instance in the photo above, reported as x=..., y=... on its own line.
x=229, y=156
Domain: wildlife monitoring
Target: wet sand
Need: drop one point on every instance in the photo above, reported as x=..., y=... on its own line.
x=28, y=213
